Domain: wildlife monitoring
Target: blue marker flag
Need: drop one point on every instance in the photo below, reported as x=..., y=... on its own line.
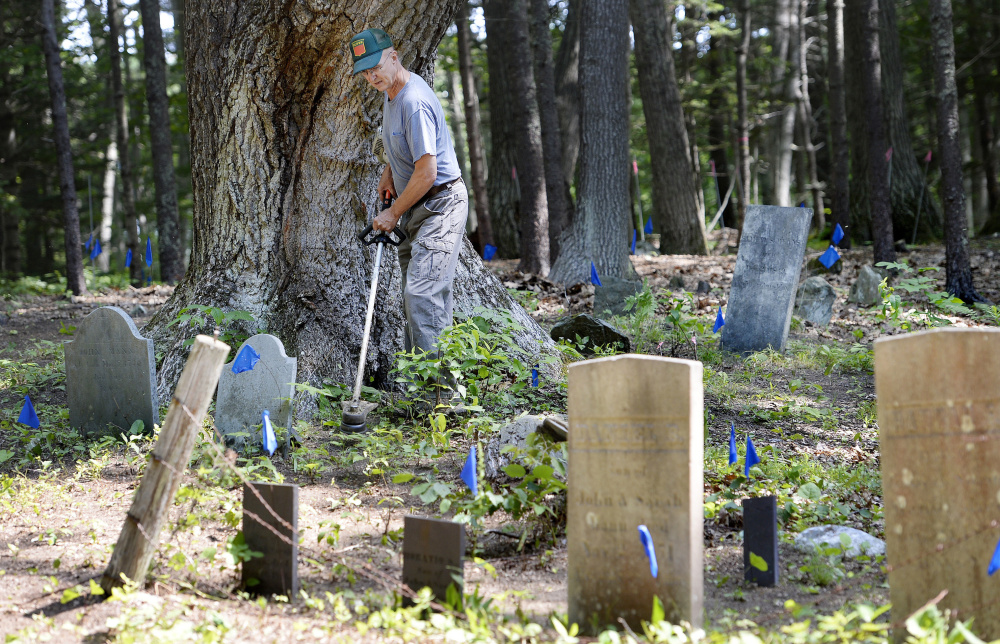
x=149, y=252
x=89, y=240
x=752, y=458
x=96, y=250
x=995, y=561
x=647, y=543
x=594, y=279
x=128, y=258
x=534, y=376
x=838, y=234
x=733, y=457
x=634, y=233
x=719, y=321
x=270, y=442
x=149, y=280
x=489, y=250
x=829, y=257
x=28, y=416
x=246, y=360
x=469, y=472
x=648, y=229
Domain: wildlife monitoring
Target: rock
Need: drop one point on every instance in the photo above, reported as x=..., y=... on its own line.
x=704, y=288
x=828, y=536
x=646, y=248
x=138, y=311
x=597, y=332
x=900, y=246
x=556, y=428
x=611, y=295
x=814, y=301
x=515, y=433
x=864, y=291
x=677, y=283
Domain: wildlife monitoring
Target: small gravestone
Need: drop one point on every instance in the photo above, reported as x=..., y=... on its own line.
x=765, y=278
x=611, y=295
x=864, y=291
x=244, y=396
x=635, y=448
x=939, y=421
x=814, y=301
x=432, y=554
x=597, y=333
x=110, y=374
x=760, y=537
x=275, y=537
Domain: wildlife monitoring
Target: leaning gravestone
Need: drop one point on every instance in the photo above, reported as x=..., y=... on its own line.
x=244, y=396
x=765, y=278
x=432, y=554
x=274, y=533
x=939, y=425
x=635, y=458
x=110, y=374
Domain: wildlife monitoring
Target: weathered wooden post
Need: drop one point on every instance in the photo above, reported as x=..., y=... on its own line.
x=139, y=535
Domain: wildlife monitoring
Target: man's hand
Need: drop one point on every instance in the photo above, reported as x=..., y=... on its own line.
x=385, y=184
x=386, y=220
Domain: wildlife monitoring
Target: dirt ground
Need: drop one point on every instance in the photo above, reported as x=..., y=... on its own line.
x=61, y=528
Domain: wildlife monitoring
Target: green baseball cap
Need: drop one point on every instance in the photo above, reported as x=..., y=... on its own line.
x=366, y=48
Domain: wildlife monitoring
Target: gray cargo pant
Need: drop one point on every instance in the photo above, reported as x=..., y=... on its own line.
x=428, y=259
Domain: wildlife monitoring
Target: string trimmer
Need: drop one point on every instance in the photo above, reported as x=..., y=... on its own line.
x=356, y=411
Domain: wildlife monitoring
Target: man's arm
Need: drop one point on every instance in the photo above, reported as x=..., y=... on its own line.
x=424, y=173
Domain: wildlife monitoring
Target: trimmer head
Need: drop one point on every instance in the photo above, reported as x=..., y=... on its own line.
x=355, y=415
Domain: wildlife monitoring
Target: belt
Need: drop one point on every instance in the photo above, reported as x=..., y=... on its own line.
x=436, y=190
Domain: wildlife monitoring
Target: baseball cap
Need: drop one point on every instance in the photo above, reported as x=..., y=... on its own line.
x=366, y=48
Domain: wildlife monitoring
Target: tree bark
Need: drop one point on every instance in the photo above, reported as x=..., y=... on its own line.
x=718, y=130
x=600, y=232
x=501, y=184
x=958, y=279
x=473, y=127
x=64, y=151
x=742, y=115
x=169, y=242
x=839, y=160
x=982, y=95
x=567, y=76
x=676, y=212
x=283, y=179
x=785, y=79
x=122, y=139
x=807, y=123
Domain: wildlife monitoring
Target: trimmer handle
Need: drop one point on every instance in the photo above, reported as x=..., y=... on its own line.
x=394, y=237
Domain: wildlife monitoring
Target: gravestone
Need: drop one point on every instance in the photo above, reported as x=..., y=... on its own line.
x=765, y=278
x=432, y=554
x=635, y=458
x=242, y=397
x=760, y=537
x=814, y=301
x=611, y=295
x=277, y=571
x=110, y=374
x=939, y=435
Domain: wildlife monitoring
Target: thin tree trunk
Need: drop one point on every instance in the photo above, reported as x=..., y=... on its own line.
x=122, y=138
x=567, y=76
x=785, y=79
x=676, y=212
x=169, y=241
x=807, y=123
x=742, y=116
x=183, y=142
x=958, y=280
x=839, y=160
x=107, y=205
x=60, y=123
x=718, y=137
x=981, y=99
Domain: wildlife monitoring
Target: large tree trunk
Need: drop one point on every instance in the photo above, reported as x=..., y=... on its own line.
x=283, y=179
x=982, y=97
x=959, y=273
x=742, y=115
x=600, y=232
x=567, y=75
x=501, y=184
x=785, y=81
x=169, y=241
x=839, y=160
x=676, y=211
x=64, y=151
x=122, y=139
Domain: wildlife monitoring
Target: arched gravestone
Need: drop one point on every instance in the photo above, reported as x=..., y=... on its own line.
x=243, y=396
x=110, y=374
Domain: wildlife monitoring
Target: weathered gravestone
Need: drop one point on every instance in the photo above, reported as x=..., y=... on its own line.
x=275, y=537
x=939, y=434
x=765, y=278
x=110, y=374
x=760, y=538
x=635, y=458
x=432, y=554
x=243, y=396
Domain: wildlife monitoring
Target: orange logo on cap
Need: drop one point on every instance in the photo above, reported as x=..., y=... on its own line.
x=359, y=47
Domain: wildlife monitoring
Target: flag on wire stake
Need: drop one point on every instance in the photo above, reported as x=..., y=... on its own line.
x=927, y=159
x=489, y=250
x=829, y=257
x=838, y=235
x=634, y=234
x=149, y=253
x=888, y=154
x=995, y=561
x=752, y=458
x=647, y=544
x=594, y=279
x=733, y=457
x=96, y=250
x=719, y=321
x=28, y=416
x=469, y=472
x=246, y=360
x=648, y=228
x=128, y=258
x=270, y=441
x=89, y=240
x=534, y=376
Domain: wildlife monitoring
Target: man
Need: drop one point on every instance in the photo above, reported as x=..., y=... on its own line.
x=431, y=201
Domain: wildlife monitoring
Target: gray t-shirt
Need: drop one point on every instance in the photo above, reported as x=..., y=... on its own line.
x=413, y=125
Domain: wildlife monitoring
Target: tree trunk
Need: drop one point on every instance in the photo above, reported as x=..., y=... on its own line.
x=742, y=116
x=501, y=184
x=108, y=205
x=473, y=127
x=182, y=142
x=718, y=130
x=64, y=151
x=567, y=77
x=455, y=118
x=839, y=160
x=981, y=99
x=169, y=242
x=600, y=232
x=275, y=215
x=534, y=222
x=548, y=113
x=676, y=212
x=785, y=79
x=807, y=124
x=958, y=279
x=122, y=138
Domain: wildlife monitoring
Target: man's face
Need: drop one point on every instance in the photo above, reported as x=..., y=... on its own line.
x=380, y=76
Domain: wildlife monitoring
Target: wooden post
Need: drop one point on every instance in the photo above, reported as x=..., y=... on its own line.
x=139, y=535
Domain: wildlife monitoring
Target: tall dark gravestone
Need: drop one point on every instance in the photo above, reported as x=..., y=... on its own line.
x=765, y=279
x=110, y=374
x=432, y=554
x=760, y=537
x=277, y=572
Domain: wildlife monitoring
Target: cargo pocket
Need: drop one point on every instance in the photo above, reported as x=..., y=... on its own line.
x=432, y=260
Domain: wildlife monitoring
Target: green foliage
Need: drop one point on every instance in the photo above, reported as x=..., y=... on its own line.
x=203, y=317
x=903, y=314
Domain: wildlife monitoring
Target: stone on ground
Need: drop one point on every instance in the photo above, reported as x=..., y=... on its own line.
x=829, y=536
x=515, y=433
x=864, y=291
x=814, y=301
x=598, y=332
x=612, y=294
